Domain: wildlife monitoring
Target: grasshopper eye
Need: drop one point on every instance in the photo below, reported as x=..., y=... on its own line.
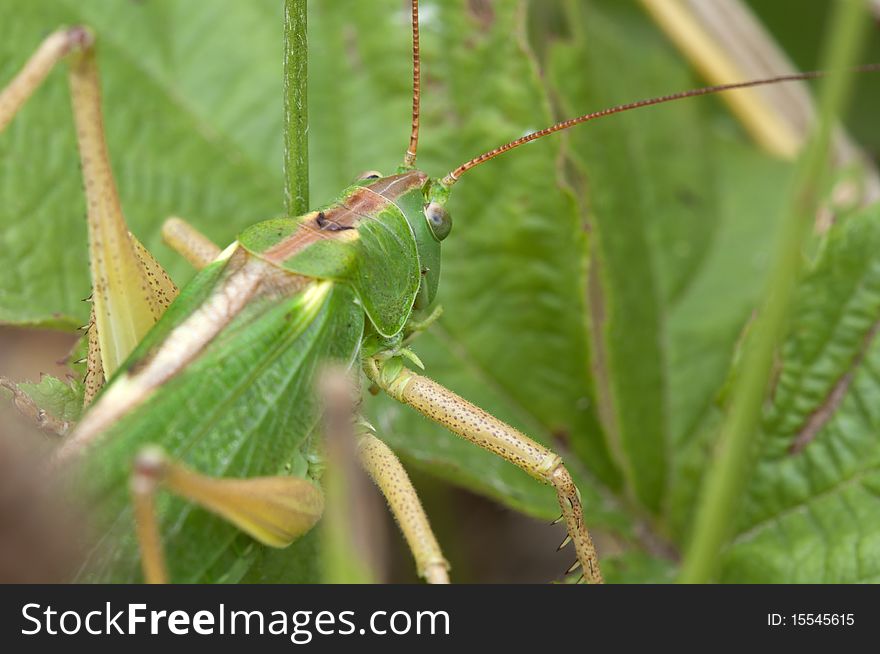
x=370, y=174
x=438, y=219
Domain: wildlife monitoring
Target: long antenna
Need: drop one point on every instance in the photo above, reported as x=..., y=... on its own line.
x=410, y=159
x=453, y=176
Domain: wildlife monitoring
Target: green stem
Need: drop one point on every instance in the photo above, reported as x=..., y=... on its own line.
x=296, y=113
x=738, y=439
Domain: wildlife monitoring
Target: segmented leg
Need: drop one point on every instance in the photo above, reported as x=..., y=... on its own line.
x=273, y=510
x=56, y=46
x=389, y=475
x=144, y=485
x=348, y=439
x=469, y=421
x=130, y=289
x=189, y=242
x=125, y=306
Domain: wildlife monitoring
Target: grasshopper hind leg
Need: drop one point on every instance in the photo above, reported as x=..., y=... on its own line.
x=189, y=242
x=130, y=289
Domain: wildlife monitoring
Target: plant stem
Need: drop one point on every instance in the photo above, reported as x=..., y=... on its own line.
x=296, y=113
x=726, y=479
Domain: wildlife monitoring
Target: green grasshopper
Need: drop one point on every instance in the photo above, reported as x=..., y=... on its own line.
x=352, y=283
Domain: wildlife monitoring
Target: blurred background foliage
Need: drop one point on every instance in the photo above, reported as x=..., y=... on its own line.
x=595, y=285
x=798, y=28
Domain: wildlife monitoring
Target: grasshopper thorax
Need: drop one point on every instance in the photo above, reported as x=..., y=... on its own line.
x=414, y=193
x=428, y=219
x=381, y=235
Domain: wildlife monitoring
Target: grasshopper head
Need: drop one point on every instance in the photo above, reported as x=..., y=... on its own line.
x=434, y=225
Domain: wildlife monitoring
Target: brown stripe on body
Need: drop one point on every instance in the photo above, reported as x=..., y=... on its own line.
x=363, y=203
x=394, y=186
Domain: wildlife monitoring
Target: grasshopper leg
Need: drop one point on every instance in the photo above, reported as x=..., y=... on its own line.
x=130, y=289
x=389, y=475
x=273, y=510
x=469, y=421
x=350, y=438
x=52, y=50
x=189, y=242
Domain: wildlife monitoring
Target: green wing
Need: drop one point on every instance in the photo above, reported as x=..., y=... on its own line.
x=244, y=407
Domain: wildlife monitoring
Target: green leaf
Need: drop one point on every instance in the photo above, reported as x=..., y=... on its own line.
x=674, y=200
x=705, y=326
x=635, y=567
x=813, y=508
